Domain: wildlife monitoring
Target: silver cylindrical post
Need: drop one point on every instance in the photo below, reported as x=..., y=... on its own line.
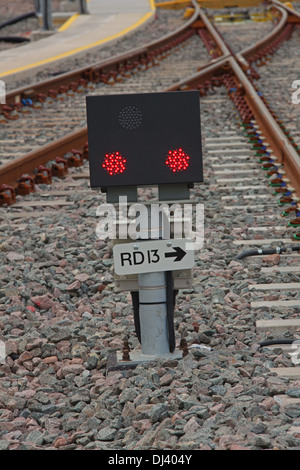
x=153, y=313
x=82, y=7
x=37, y=6
x=47, y=14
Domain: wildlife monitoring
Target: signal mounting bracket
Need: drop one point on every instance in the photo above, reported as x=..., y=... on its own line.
x=166, y=192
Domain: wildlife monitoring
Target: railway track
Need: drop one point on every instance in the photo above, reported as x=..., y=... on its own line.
x=57, y=117
x=228, y=392
x=68, y=91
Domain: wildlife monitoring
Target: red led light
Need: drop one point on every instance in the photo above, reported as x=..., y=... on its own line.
x=177, y=160
x=114, y=163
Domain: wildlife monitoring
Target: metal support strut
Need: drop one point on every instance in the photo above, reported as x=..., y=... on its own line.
x=82, y=7
x=153, y=313
x=47, y=14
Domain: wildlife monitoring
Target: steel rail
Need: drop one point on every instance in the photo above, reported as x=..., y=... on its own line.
x=225, y=64
x=291, y=11
x=94, y=71
x=257, y=47
x=244, y=56
x=213, y=32
x=274, y=135
x=26, y=164
x=10, y=172
x=272, y=132
x=216, y=69
x=280, y=144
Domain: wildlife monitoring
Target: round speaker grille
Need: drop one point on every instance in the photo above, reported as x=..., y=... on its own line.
x=130, y=117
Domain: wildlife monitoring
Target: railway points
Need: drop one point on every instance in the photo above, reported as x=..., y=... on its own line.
x=64, y=312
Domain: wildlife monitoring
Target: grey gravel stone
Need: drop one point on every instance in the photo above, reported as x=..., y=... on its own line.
x=293, y=392
x=106, y=434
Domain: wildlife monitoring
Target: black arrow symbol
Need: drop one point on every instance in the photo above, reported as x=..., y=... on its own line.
x=178, y=254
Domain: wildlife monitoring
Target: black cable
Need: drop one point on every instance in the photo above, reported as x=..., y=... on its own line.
x=269, y=251
x=136, y=313
x=276, y=341
x=171, y=296
x=170, y=310
x=14, y=39
x=18, y=19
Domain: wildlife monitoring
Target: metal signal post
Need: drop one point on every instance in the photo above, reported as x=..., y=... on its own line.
x=137, y=141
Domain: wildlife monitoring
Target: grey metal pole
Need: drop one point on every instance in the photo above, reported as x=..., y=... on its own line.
x=153, y=310
x=2, y=92
x=82, y=7
x=47, y=14
x=153, y=313
x=37, y=6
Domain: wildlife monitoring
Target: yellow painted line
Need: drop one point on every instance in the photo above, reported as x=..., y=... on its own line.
x=68, y=22
x=75, y=16
x=83, y=48
x=172, y=3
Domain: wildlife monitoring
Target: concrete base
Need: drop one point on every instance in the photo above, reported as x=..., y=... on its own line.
x=116, y=363
x=139, y=358
x=41, y=34
x=58, y=18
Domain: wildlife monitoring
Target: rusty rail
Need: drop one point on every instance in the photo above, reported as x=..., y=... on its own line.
x=10, y=172
x=272, y=132
x=237, y=65
x=210, y=75
x=101, y=71
x=256, y=48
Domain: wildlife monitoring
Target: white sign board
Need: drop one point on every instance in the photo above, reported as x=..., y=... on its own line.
x=151, y=256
